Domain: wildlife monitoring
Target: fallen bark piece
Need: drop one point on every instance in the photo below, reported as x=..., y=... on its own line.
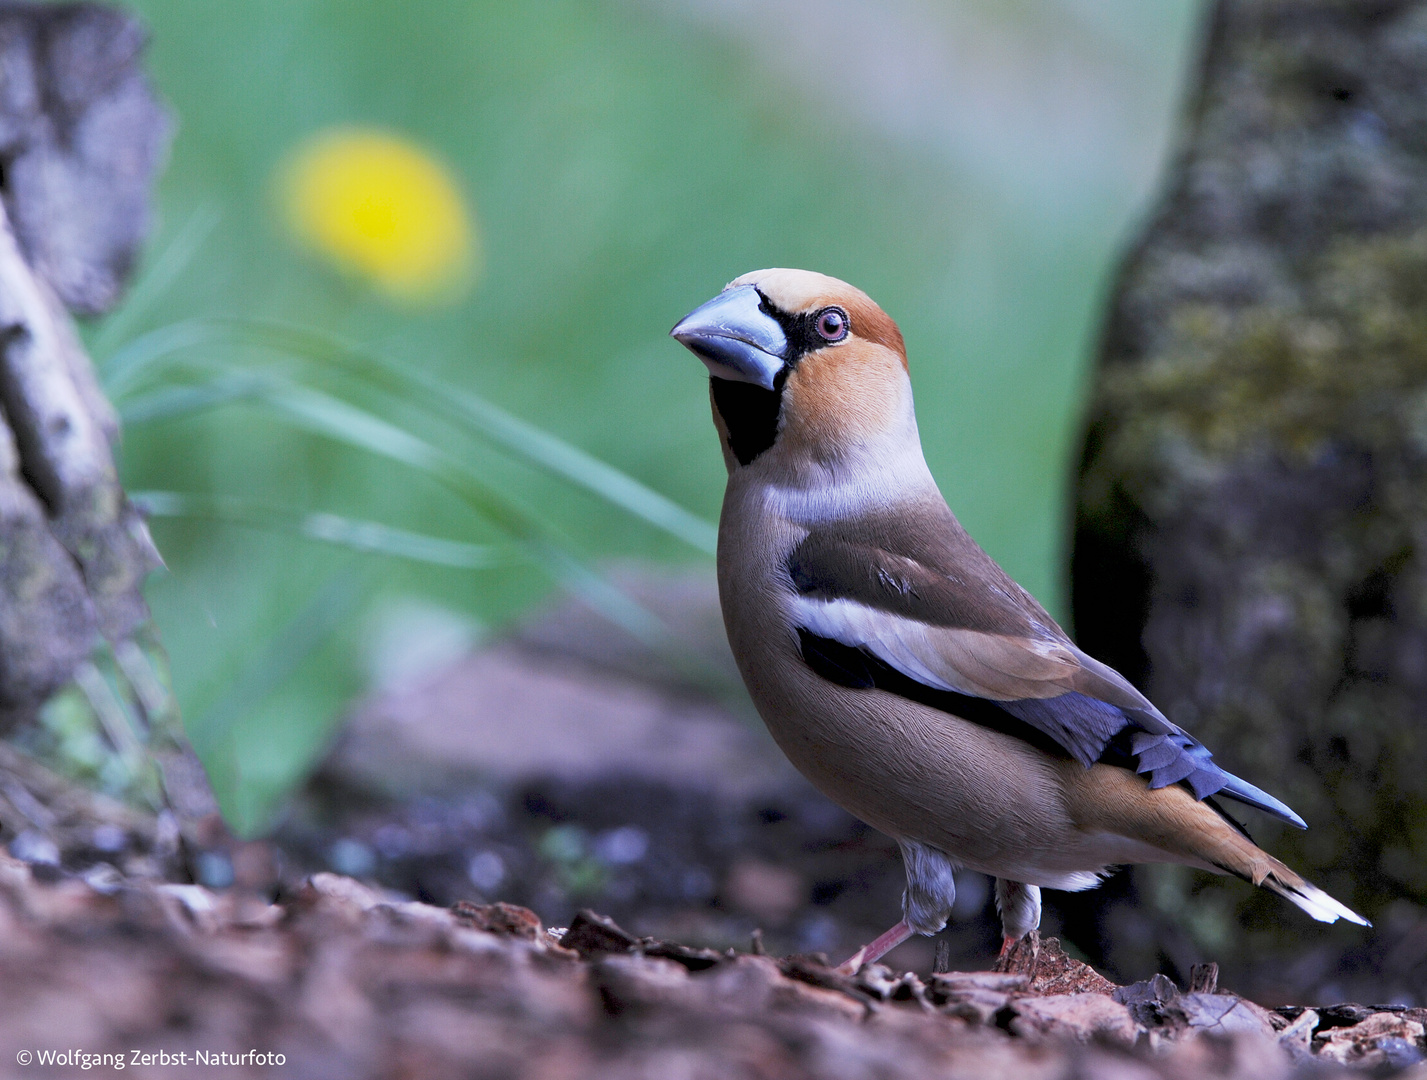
x=1204, y=978
x=1158, y=1006
x=336, y=891
x=881, y=982
x=1152, y=1002
x=1057, y=973
x=1297, y=1037
x=1075, y=1016
x=633, y=981
x=595, y=935
x=1383, y=1038
x=1237, y=1056
x=815, y=971
x=1225, y=1014
x=508, y=920
x=878, y=980
x=1004, y=981
x=975, y=996
x=756, y=985
x=1348, y=1013
x=976, y=1005
x=692, y=959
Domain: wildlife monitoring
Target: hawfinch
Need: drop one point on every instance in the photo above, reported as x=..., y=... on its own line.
x=899, y=668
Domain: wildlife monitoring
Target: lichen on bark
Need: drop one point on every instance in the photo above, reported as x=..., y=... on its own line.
x=81, y=137
x=1251, y=521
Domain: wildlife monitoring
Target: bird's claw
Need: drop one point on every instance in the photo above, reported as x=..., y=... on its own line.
x=1020, y=956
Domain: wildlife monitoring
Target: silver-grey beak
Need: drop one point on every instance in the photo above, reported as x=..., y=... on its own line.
x=734, y=337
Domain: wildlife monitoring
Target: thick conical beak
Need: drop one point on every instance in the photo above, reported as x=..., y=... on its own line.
x=734, y=337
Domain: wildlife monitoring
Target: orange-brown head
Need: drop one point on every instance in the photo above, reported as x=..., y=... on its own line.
x=798, y=359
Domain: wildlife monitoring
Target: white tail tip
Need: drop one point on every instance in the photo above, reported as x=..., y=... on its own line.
x=1315, y=901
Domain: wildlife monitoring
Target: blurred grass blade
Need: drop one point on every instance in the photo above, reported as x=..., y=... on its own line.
x=569, y=461
x=161, y=273
x=168, y=402
x=602, y=596
x=152, y=695
x=364, y=536
x=479, y=416
x=123, y=370
x=370, y=536
x=471, y=412
x=117, y=723
x=322, y=414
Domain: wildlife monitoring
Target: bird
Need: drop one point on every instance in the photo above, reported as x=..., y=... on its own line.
x=899, y=668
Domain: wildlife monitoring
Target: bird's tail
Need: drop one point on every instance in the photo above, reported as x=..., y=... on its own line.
x=1293, y=888
x=1234, y=853
x=1196, y=833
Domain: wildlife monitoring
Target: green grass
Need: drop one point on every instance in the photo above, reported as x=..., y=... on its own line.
x=622, y=164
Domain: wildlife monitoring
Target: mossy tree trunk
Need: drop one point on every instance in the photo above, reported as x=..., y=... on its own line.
x=1251, y=526
x=82, y=137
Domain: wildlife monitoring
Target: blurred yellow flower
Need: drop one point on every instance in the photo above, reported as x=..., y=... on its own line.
x=380, y=206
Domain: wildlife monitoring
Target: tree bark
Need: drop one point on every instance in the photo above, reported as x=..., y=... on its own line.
x=81, y=136
x=1251, y=520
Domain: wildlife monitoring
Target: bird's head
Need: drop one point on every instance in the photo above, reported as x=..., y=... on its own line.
x=800, y=361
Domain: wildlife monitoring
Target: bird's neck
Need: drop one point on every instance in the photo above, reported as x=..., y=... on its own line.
x=842, y=482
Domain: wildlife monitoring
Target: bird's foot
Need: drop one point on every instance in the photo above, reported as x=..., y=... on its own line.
x=876, y=949
x=1020, y=956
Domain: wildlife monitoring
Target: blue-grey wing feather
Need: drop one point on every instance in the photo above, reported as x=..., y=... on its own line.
x=1092, y=730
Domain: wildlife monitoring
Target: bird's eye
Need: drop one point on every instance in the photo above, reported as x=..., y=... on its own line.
x=832, y=324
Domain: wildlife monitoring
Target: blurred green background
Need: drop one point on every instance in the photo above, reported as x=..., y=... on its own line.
x=975, y=166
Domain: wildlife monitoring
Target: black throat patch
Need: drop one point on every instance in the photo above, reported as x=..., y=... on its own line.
x=750, y=413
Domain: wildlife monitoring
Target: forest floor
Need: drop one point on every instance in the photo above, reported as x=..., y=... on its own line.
x=340, y=980
x=385, y=928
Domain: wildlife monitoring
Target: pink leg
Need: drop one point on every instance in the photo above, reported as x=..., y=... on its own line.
x=876, y=949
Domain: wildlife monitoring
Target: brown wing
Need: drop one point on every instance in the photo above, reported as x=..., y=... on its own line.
x=913, y=605
x=918, y=583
